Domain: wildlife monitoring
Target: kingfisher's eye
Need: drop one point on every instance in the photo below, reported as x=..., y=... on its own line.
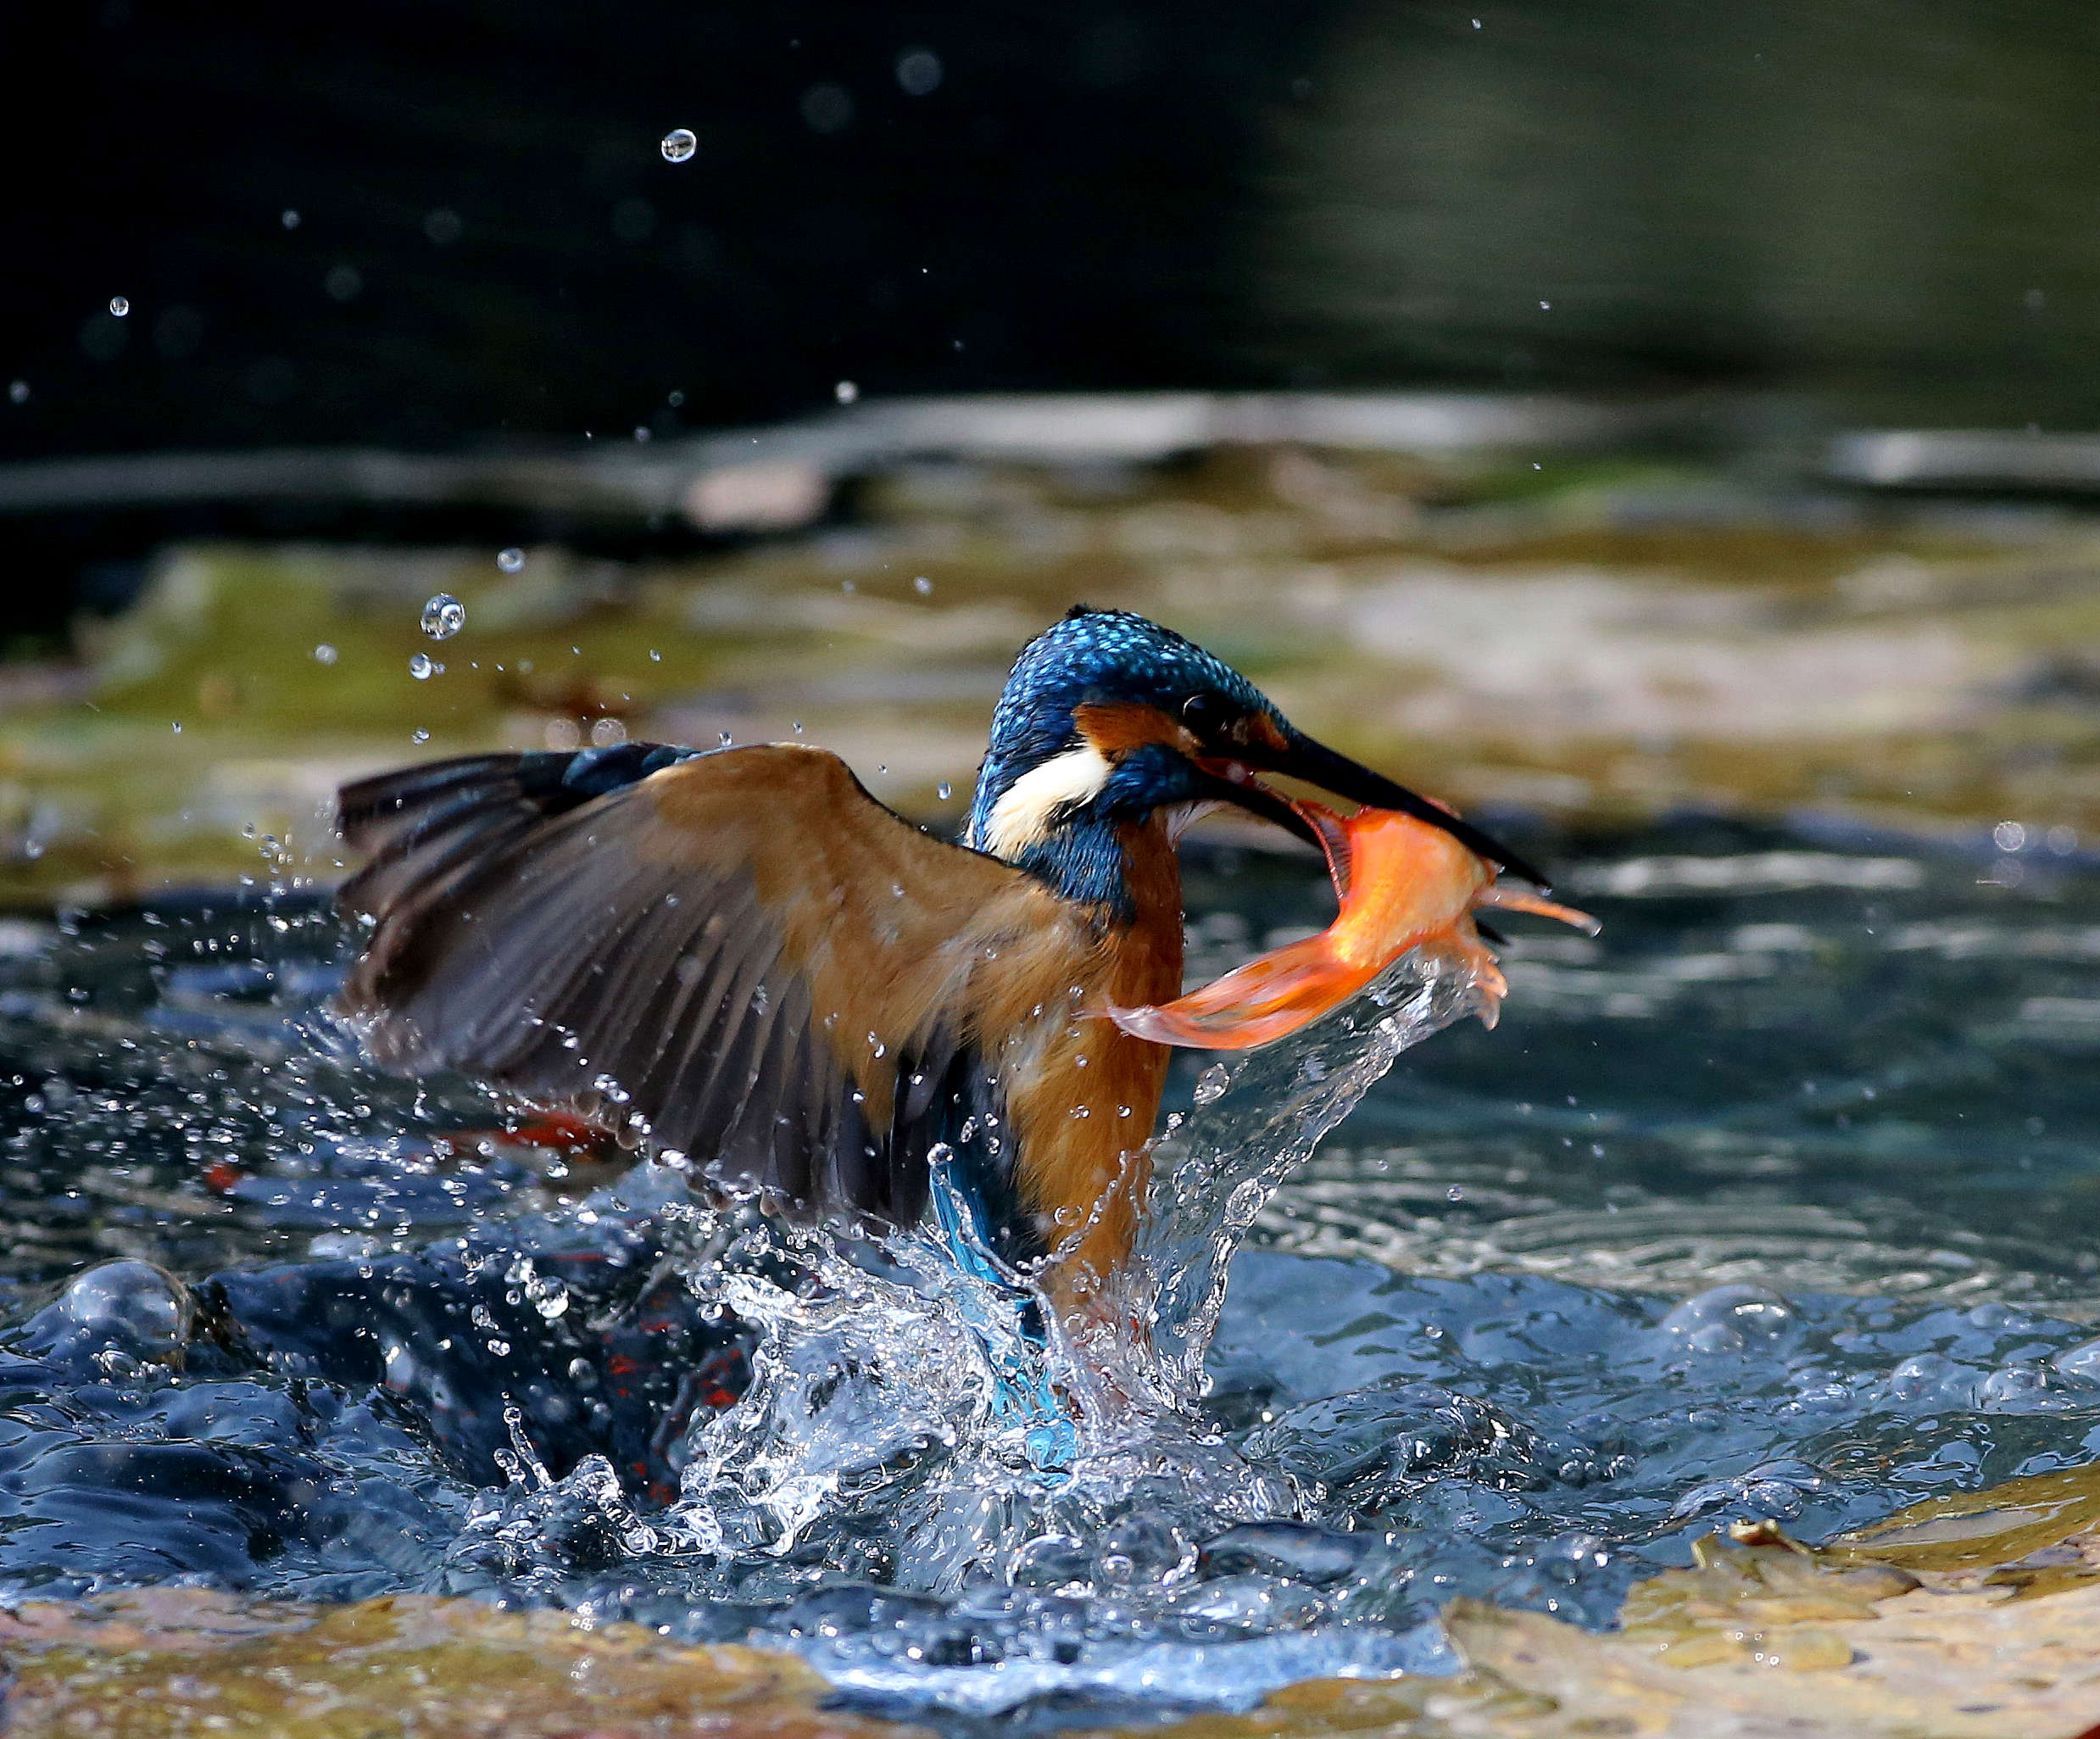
x=1207, y=714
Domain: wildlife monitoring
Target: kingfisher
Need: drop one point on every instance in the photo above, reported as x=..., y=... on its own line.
x=739, y=956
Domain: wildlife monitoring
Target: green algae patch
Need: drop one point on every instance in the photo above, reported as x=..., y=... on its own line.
x=168, y=1662
x=2035, y=1534
x=1959, y=1618
x=1602, y=642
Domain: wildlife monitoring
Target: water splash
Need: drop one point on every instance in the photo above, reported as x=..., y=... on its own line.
x=919, y=1409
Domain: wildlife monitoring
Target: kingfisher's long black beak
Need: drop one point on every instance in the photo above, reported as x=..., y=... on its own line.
x=1295, y=755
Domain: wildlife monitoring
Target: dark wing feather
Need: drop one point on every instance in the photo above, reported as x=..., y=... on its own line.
x=742, y=952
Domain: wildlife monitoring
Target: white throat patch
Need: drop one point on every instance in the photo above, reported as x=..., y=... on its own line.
x=1022, y=817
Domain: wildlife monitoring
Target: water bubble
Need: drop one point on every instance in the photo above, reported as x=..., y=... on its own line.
x=2009, y=836
x=443, y=617
x=1211, y=1084
x=325, y=653
x=923, y=586
x=511, y=561
x=845, y=392
x=421, y=668
x=129, y=1300
x=943, y=790
x=119, y=305
x=679, y=145
x=1722, y=1318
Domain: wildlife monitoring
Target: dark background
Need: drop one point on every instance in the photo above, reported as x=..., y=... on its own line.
x=1892, y=202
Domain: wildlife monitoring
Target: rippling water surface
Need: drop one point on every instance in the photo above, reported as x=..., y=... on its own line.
x=1782, y=1197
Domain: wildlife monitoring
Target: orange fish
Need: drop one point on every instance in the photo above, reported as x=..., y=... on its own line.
x=1403, y=884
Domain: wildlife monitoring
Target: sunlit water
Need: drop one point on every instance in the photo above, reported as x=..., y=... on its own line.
x=1782, y=1197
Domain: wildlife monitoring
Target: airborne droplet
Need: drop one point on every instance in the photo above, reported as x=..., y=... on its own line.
x=1212, y=1083
x=421, y=668
x=511, y=560
x=443, y=617
x=119, y=305
x=679, y=145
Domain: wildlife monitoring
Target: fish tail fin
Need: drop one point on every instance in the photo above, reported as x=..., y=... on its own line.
x=1262, y=1000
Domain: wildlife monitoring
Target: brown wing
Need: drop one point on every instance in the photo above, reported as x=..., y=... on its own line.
x=742, y=952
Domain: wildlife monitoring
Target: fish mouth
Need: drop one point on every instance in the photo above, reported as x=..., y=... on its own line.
x=1291, y=754
x=1233, y=782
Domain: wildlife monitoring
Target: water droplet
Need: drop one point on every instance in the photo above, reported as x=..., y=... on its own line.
x=421, y=668
x=724, y=735
x=918, y=72
x=944, y=790
x=675, y=399
x=1212, y=1083
x=2009, y=836
x=679, y=145
x=325, y=653
x=419, y=735
x=640, y=431
x=845, y=392
x=798, y=727
x=290, y=220
x=18, y=392
x=923, y=586
x=119, y=305
x=511, y=560
x=655, y=656
x=1453, y=1194
x=178, y=728
x=443, y=617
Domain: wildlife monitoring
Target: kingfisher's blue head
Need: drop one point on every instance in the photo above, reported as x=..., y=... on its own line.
x=1108, y=719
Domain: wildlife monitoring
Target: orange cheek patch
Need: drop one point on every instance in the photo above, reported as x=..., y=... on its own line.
x=1116, y=727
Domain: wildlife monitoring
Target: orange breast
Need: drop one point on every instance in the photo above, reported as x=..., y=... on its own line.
x=1080, y=1095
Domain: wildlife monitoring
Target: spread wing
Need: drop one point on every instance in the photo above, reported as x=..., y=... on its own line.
x=740, y=952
